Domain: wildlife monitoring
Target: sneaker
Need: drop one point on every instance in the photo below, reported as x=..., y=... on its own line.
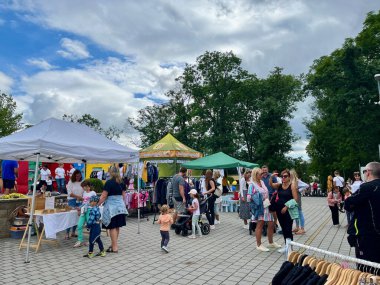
x=78, y=244
x=281, y=250
x=274, y=245
x=246, y=227
x=262, y=248
x=101, y=253
x=212, y=227
x=216, y=222
x=89, y=255
x=191, y=236
x=164, y=248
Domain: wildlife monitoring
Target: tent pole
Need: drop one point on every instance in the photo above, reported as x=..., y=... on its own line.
x=30, y=223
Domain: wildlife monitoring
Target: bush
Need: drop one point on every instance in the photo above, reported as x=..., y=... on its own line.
x=96, y=184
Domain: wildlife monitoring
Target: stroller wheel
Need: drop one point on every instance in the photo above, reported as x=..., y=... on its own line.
x=177, y=231
x=205, y=229
x=185, y=232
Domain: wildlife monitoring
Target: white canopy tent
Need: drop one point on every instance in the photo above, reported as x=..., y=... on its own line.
x=54, y=140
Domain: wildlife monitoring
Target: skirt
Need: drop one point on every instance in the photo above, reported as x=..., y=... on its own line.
x=267, y=217
x=245, y=211
x=117, y=221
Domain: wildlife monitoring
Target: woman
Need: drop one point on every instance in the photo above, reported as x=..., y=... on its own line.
x=285, y=192
x=217, y=177
x=74, y=196
x=245, y=212
x=256, y=187
x=300, y=222
x=356, y=185
x=210, y=189
x=113, y=197
x=60, y=178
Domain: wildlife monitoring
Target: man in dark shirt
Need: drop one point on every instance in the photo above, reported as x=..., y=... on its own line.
x=365, y=203
x=9, y=172
x=179, y=198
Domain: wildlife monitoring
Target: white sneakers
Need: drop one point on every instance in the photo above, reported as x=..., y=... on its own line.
x=164, y=248
x=262, y=248
x=212, y=227
x=246, y=227
x=191, y=236
x=274, y=245
x=281, y=250
x=216, y=222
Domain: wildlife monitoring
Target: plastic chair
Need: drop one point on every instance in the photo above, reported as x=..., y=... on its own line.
x=225, y=203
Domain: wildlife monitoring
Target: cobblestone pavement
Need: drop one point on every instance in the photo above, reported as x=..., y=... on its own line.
x=226, y=256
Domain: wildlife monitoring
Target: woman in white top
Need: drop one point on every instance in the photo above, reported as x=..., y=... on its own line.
x=60, y=177
x=45, y=174
x=74, y=196
x=356, y=185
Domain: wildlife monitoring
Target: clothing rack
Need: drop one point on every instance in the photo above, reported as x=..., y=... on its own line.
x=290, y=243
x=155, y=204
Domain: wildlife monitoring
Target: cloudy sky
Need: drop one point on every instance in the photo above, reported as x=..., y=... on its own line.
x=112, y=58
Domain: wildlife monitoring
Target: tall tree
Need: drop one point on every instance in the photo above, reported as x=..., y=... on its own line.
x=10, y=120
x=344, y=131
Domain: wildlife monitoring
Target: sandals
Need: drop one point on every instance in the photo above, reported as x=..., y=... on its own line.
x=300, y=232
x=295, y=230
x=111, y=250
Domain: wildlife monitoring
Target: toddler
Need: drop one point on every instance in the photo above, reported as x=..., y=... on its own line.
x=333, y=200
x=165, y=220
x=194, y=208
x=93, y=224
x=84, y=211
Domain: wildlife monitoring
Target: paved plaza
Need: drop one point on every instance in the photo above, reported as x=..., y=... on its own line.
x=226, y=256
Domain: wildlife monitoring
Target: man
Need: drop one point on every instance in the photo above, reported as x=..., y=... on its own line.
x=365, y=203
x=179, y=198
x=9, y=172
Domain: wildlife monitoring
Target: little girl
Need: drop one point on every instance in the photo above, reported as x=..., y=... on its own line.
x=84, y=211
x=333, y=199
x=165, y=220
x=196, y=213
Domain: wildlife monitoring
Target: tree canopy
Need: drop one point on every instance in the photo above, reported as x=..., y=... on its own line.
x=345, y=129
x=10, y=120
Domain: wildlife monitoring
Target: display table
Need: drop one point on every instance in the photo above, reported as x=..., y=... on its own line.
x=52, y=224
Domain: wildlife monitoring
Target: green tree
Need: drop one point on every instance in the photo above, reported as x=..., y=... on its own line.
x=10, y=121
x=111, y=132
x=344, y=131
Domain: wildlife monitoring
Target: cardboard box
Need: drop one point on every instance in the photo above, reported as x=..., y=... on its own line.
x=39, y=203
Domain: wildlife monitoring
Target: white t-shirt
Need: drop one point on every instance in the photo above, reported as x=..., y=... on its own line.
x=45, y=174
x=87, y=195
x=194, y=203
x=338, y=181
x=49, y=181
x=59, y=173
x=202, y=182
x=74, y=188
x=355, y=186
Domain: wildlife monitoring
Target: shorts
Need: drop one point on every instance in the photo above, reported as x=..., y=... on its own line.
x=8, y=183
x=216, y=208
x=179, y=206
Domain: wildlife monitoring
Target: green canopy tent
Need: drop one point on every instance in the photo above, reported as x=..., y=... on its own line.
x=218, y=160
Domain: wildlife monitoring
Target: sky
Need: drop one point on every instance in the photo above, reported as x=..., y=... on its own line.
x=112, y=58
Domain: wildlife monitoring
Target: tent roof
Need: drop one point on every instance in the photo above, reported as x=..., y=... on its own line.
x=169, y=146
x=60, y=141
x=218, y=160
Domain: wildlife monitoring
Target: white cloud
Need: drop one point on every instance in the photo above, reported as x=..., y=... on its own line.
x=40, y=63
x=299, y=149
x=5, y=83
x=73, y=49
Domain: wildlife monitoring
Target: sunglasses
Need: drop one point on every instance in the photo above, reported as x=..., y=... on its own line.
x=285, y=176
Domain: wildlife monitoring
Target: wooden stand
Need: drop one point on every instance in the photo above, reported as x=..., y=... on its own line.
x=40, y=239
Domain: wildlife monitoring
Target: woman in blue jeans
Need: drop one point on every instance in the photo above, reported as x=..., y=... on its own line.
x=74, y=197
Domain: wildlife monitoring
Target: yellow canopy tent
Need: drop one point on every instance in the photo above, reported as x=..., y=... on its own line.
x=168, y=153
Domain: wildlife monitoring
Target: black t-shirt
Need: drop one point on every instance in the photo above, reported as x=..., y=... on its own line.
x=114, y=188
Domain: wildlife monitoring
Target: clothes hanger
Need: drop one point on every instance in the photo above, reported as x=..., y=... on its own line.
x=313, y=263
x=295, y=258
x=319, y=266
x=324, y=268
x=306, y=260
x=355, y=277
x=334, y=274
x=291, y=255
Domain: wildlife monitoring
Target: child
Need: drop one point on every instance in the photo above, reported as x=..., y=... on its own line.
x=347, y=193
x=93, y=224
x=196, y=213
x=84, y=211
x=165, y=220
x=333, y=199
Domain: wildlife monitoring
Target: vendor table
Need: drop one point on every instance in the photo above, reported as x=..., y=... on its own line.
x=52, y=224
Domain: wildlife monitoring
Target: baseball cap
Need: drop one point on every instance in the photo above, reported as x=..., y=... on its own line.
x=193, y=191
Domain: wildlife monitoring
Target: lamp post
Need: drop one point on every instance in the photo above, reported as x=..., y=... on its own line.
x=377, y=78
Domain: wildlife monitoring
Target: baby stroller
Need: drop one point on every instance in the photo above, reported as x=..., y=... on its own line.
x=184, y=222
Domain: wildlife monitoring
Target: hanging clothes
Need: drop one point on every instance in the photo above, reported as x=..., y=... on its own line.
x=144, y=175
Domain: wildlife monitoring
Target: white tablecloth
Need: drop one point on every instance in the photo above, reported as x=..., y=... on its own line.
x=57, y=222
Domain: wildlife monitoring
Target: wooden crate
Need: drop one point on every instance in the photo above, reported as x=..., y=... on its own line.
x=39, y=204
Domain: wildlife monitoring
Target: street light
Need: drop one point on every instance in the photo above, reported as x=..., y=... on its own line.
x=377, y=78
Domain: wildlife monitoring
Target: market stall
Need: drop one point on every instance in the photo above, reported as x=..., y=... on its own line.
x=54, y=140
x=168, y=154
